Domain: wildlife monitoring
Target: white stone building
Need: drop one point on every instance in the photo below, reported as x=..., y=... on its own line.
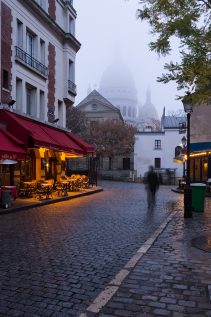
x=38, y=57
x=157, y=148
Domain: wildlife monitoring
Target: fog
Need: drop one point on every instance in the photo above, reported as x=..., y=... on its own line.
x=109, y=28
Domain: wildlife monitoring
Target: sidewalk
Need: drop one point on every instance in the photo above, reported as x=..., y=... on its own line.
x=25, y=203
x=170, y=275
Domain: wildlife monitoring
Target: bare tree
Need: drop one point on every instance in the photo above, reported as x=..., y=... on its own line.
x=112, y=138
x=177, y=113
x=76, y=120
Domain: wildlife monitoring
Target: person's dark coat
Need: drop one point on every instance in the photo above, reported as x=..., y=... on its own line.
x=152, y=181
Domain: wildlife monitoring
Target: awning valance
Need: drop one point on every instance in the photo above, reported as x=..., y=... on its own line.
x=9, y=149
x=200, y=146
x=37, y=134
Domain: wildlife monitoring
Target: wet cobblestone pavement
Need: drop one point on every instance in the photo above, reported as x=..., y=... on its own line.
x=56, y=259
x=173, y=278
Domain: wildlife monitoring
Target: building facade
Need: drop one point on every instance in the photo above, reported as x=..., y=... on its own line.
x=38, y=50
x=200, y=138
x=97, y=108
x=158, y=148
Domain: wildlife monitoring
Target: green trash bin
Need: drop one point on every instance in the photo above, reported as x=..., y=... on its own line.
x=198, y=196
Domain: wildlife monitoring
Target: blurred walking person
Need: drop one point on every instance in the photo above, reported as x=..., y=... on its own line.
x=152, y=185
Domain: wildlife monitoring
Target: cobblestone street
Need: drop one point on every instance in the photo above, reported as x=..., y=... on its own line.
x=56, y=259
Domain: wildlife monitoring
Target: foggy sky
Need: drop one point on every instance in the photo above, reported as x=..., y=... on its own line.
x=109, y=28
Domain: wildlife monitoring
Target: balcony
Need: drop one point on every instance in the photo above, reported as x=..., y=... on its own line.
x=30, y=62
x=72, y=88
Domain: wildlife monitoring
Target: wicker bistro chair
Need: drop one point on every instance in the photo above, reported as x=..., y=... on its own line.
x=40, y=192
x=61, y=189
x=44, y=190
x=75, y=182
x=84, y=181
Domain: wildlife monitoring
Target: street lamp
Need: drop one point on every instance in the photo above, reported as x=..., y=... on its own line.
x=188, y=105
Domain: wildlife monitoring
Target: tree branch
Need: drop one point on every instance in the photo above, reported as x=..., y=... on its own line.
x=208, y=3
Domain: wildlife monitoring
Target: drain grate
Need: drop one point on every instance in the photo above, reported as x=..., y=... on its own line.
x=202, y=243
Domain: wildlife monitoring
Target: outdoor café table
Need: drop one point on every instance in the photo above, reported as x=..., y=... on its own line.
x=28, y=188
x=13, y=190
x=47, y=188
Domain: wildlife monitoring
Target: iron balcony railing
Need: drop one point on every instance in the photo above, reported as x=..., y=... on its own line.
x=72, y=87
x=31, y=61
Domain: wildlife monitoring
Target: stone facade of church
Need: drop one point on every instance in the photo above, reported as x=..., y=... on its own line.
x=97, y=108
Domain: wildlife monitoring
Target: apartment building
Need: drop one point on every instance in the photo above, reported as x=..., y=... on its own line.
x=38, y=51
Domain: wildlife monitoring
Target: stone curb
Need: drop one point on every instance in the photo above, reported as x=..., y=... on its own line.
x=48, y=202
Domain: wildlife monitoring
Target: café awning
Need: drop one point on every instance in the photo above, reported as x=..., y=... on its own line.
x=86, y=146
x=9, y=149
x=38, y=134
x=200, y=146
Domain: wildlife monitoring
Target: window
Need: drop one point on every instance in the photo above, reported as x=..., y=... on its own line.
x=42, y=51
x=5, y=79
x=19, y=94
x=126, y=163
x=94, y=106
x=157, y=162
x=30, y=39
x=28, y=101
x=71, y=71
x=42, y=105
x=157, y=144
x=31, y=108
x=19, y=34
x=71, y=25
x=60, y=112
x=178, y=151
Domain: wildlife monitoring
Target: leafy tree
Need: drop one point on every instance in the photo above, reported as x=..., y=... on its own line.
x=112, y=138
x=76, y=120
x=189, y=21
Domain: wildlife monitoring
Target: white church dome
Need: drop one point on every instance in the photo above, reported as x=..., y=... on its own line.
x=117, y=85
x=118, y=80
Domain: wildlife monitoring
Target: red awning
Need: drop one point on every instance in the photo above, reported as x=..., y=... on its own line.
x=9, y=149
x=86, y=146
x=37, y=134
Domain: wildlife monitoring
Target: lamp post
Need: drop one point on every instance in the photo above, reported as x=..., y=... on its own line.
x=187, y=103
x=184, y=143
